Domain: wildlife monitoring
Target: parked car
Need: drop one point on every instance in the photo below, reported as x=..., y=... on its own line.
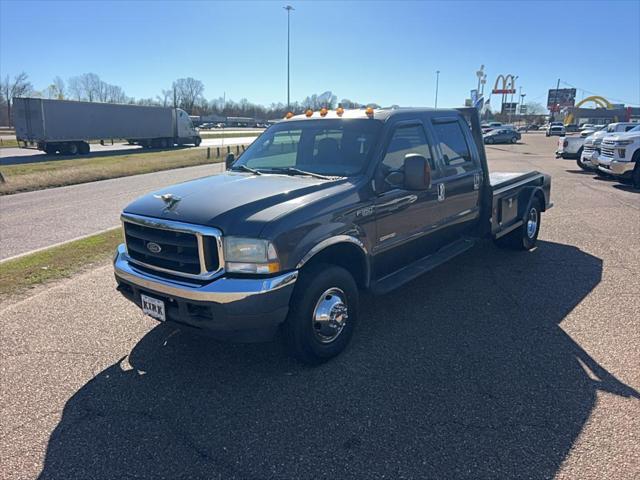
x=314, y=211
x=206, y=126
x=487, y=127
x=620, y=156
x=591, y=150
x=571, y=128
x=219, y=125
x=555, y=130
x=502, y=135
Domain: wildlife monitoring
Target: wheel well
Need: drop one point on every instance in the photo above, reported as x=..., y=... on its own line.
x=348, y=256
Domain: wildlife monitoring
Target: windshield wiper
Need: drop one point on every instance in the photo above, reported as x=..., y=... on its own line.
x=244, y=168
x=297, y=171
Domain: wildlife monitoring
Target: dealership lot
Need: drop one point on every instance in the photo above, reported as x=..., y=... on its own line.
x=533, y=375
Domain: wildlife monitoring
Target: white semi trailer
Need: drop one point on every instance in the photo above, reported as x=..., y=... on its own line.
x=67, y=127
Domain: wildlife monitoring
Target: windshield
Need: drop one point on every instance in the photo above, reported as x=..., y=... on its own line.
x=635, y=129
x=326, y=147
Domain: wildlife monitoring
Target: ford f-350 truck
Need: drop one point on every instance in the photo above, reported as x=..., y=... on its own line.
x=319, y=207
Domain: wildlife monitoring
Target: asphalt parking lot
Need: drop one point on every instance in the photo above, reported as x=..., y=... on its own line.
x=496, y=365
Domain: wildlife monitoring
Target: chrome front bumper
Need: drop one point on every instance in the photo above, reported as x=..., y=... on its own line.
x=616, y=167
x=224, y=306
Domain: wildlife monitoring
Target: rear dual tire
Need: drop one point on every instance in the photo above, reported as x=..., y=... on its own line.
x=322, y=313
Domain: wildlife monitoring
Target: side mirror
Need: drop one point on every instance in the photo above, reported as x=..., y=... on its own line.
x=417, y=172
x=229, y=160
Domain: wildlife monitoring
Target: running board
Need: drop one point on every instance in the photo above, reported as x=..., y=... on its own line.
x=424, y=265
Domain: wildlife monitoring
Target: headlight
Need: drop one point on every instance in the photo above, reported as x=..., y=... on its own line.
x=623, y=142
x=250, y=255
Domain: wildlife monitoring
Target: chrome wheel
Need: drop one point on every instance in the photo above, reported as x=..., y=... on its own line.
x=330, y=315
x=532, y=223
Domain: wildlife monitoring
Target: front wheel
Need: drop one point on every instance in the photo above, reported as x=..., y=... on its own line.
x=489, y=141
x=526, y=236
x=514, y=139
x=197, y=141
x=323, y=312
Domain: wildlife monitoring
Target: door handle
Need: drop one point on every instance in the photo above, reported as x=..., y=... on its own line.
x=441, y=192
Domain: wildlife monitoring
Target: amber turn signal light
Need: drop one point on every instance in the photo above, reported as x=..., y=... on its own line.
x=288, y=115
x=309, y=112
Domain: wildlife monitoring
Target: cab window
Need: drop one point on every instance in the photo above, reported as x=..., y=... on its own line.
x=406, y=139
x=456, y=154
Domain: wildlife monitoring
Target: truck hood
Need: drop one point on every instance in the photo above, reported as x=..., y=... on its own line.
x=623, y=136
x=236, y=203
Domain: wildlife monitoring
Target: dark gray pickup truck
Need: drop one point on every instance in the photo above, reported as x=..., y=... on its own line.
x=319, y=207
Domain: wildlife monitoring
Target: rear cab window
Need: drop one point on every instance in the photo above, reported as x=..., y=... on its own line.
x=455, y=150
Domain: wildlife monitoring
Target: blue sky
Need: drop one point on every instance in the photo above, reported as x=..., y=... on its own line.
x=385, y=52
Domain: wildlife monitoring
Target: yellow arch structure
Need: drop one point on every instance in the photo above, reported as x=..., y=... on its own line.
x=597, y=99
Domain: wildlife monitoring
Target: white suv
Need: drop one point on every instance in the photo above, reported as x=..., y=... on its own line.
x=620, y=155
x=591, y=148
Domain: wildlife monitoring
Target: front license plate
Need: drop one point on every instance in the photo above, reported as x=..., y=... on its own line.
x=153, y=307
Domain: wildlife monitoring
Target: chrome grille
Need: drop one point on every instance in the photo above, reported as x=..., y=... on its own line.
x=173, y=247
x=607, y=152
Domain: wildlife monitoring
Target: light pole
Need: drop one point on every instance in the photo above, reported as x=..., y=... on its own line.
x=437, y=81
x=513, y=89
x=522, y=95
x=288, y=8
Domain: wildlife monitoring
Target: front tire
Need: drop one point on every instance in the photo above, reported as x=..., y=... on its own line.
x=322, y=314
x=197, y=141
x=524, y=237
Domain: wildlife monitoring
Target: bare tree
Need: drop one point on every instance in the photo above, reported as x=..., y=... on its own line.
x=187, y=91
x=75, y=88
x=18, y=87
x=165, y=97
x=56, y=89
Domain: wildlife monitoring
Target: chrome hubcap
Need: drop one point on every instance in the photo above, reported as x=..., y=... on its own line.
x=532, y=223
x=330, y=315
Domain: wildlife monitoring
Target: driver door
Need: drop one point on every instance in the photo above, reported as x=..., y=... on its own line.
x=403, y=217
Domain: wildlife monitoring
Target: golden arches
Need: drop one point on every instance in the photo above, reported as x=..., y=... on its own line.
x=597, y=99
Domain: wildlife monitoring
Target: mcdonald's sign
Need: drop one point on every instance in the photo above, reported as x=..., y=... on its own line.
x=508, y=85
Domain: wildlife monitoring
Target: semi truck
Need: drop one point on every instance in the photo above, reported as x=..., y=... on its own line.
x=67, y=127
x=319, y=207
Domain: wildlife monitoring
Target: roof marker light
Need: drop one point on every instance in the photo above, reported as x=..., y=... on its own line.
x=339, y=111
x=288, y=115
x=369, y=112
x=323, y=112
x=309, y=112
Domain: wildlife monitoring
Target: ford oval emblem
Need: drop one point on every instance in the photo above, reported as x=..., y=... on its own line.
x=153, y=247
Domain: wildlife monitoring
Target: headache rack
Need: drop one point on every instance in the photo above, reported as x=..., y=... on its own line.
x=175, y=248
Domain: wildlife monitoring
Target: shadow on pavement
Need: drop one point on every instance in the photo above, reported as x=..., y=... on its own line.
x=627, y=188
x=43, y=157
x=464, y=373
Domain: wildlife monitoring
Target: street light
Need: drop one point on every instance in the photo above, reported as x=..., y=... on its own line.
x=288, y=8
x=437, y=81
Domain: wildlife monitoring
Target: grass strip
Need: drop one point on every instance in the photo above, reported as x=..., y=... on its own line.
x=40, y=175
x=62, y=261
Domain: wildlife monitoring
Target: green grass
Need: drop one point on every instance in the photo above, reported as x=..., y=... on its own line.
x=20, y=274
x=40, y=175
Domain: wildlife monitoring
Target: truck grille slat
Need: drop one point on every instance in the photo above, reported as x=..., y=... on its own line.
x=174, y=251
